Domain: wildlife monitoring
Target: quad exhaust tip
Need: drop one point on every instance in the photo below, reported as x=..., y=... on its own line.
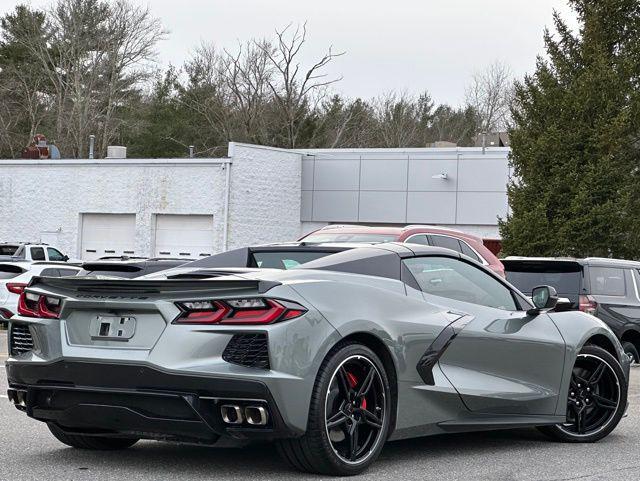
x=231, y=414
x=236, y=415
x=18, y=398
x=256, y=415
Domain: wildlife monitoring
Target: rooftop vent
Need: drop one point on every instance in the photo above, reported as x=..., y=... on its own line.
x=116, y=152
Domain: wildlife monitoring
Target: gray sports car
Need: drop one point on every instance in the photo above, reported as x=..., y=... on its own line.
x=329, y=360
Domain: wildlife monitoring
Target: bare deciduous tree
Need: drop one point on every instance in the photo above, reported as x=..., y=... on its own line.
x=133, y=34
x=490, y=93
x=402, y=119
x=247, y=74
x=294, y=86
x=92, y=54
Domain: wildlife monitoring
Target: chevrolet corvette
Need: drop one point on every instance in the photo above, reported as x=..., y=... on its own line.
x=328, y=360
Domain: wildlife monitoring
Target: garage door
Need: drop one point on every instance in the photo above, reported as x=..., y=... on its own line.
x=108, y=235
x=184, y=236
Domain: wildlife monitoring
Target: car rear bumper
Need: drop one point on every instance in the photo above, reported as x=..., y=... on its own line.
x=141, y=401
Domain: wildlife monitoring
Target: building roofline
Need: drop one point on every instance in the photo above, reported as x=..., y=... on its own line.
x=126, y=162
x=233, y=145
x=407, y=149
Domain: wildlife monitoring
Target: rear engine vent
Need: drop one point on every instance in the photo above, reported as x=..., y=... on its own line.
x=20, y=339
x=250, y=350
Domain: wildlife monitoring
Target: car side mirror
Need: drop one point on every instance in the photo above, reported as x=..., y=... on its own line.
x=544, y=298
x=65, y=258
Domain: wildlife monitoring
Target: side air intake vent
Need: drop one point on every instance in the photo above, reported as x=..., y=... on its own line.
x=250, y=350
x=20, y=340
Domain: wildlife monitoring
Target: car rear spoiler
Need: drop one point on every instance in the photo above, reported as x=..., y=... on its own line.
x=133, y=286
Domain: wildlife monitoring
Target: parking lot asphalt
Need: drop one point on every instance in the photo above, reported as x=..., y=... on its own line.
x=29, y=452
x=3, y=345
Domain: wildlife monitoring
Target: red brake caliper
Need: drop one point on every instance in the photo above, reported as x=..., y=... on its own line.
x=353, y=382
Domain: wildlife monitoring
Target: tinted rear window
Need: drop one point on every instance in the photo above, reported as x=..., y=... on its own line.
x=8, y=271
x=126, y=271
x=607, y=281
x=8, y=250
x=338, y=237
x=123, y=274
x=285, y=260
x=566, y=278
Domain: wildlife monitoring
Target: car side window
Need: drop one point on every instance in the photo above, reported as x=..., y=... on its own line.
x=67, y=272
x=468, y=251
x=607, y=281
x=418, y=239
x=50, y=273
x=446, y=242
x=459, y=280
x=37, y=254
x=55, y=254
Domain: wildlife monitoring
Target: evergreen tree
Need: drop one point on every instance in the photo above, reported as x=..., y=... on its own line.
x=575, y=141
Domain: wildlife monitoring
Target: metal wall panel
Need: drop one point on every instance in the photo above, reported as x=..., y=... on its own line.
x=482, y=174
x=383, y=174
x=481, y=207
x=422, y=171
x=306, y=209
x=335, y=206
x=382, y=206
x=431, y=208
x=336, y=174
x=399, y=186
x=307, y=174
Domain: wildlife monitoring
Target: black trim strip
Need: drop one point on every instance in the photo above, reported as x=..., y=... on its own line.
x=437, y=348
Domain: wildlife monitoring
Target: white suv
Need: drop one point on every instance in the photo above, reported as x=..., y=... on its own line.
x=14, y=277
x=14, y=251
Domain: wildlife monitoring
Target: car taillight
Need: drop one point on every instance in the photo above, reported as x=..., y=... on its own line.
x=36, y=305
x=587, y=304
x=16, y=287
x=255, y=310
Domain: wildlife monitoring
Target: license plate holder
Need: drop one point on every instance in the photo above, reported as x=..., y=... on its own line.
x=112, y=328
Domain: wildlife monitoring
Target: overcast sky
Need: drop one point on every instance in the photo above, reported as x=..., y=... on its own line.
x=411, y=45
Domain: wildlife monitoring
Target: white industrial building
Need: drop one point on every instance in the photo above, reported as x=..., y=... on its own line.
x=192, y=207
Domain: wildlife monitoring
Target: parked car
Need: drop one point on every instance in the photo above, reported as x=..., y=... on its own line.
x=329, y=359
x=126, y=267
x=15, y=276
x=429, y=235
x=606, y=288
x=30, y=252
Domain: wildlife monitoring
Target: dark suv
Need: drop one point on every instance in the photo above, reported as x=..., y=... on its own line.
x=606, y=288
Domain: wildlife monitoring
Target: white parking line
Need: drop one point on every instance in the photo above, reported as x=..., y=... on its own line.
x=3, y=396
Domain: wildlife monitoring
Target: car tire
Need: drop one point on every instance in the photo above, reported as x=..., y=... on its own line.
x=320, y=449
x=631, y=351
x=612, y=411
x=95, y=443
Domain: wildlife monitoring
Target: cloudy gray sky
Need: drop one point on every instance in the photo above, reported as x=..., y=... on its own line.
x=411, y=45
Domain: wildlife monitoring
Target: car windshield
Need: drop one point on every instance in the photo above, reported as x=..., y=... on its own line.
x=566, y=278
x=285, y=259
x=322, y=237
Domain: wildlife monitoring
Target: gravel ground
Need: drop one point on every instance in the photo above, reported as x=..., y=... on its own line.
x=29, y=452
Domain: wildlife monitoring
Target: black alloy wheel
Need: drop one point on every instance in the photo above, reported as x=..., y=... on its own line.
x=355, y=409
x=596, y=400
x=594, y=395
x=349, y=414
